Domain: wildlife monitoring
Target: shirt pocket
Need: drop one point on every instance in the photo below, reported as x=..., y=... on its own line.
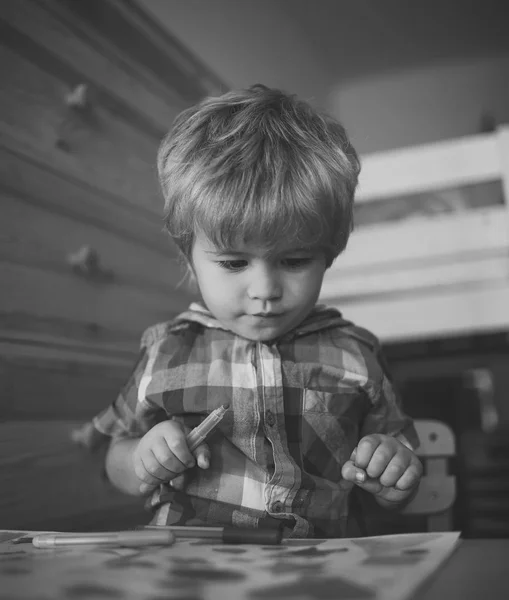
x=330, y=427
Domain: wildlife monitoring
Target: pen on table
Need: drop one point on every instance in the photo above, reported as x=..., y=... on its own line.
x=227, y=535
x=163, y=537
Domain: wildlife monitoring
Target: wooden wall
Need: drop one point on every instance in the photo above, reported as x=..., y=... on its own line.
x=88, y=89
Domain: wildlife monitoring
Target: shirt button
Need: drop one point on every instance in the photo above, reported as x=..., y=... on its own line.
x=277, y=507
x=269, y=418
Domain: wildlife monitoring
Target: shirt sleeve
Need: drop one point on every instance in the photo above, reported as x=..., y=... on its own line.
x=386, y=414
x=131, y=415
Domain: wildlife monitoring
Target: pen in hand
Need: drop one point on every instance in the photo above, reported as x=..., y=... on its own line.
x=194, y=439
x=200, y=433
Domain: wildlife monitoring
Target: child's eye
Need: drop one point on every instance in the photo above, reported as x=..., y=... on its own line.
x=233, y=265
x=296, y=263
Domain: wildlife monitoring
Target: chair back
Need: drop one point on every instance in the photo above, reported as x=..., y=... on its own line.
x=437, y=490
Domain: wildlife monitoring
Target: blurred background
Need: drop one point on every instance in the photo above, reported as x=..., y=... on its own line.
x=88, y=89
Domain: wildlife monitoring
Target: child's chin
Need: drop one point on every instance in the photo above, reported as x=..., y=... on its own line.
x=265, y=334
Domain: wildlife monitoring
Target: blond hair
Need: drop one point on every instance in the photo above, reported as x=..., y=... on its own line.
x=259, y=166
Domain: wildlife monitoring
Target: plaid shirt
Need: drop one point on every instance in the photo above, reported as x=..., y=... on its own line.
x=298, y=407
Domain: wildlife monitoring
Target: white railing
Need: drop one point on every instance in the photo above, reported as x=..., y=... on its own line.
x=430, y=273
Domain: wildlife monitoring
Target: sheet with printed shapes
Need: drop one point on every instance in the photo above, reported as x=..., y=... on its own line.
x=377, y=568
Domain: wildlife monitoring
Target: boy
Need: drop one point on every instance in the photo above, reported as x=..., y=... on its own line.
x=258, y=191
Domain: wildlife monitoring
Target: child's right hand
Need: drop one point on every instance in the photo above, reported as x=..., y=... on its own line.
x=162, y=455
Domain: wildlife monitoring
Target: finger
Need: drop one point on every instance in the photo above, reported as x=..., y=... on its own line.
x=394, y=470
x=359, y=478
x=352, y=473
x=166, y=458
x=410, y=477
x=146, y=488
x=153, y=472
x=365, y=450
x=179, y=482
x=144, y=473
x=202, y=454
x=379, y=461
x=176, y=440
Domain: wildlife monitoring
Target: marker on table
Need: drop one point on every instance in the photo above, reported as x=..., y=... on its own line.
x=227, y=535
x=199, y=433
x=151, y=537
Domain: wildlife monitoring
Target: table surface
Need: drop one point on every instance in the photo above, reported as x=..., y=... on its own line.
x=478, y=569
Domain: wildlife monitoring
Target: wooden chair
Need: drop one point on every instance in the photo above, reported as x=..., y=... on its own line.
x=437, y=491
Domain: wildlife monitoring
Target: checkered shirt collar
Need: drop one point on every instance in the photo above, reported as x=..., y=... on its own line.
x=320, y=318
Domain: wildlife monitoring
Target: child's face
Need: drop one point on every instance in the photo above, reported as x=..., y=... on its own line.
x=257, y=295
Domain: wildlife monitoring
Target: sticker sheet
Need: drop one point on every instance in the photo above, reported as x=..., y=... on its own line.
x=379, y=568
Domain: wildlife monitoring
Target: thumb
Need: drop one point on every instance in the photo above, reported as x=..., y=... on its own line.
x=179, y=483
x=352, y=473
x=356, y=475
x=360, y=478
x=202, y=455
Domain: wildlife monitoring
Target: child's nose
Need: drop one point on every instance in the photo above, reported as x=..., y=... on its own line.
x=265, y=285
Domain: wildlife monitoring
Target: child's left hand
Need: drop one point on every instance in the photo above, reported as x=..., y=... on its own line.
x=384, y=467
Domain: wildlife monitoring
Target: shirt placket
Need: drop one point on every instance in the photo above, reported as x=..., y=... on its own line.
x=283, y=486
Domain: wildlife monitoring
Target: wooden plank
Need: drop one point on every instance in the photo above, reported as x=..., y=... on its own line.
x=36, y=236
x=460, y=311
x=424, y=278
x=64, y=51
x=429, y=205
x=42, y=185
x=48, y=478
x=405, y=244
x=465, y=160
x=56, y=332
x=45, y=293
x=57, y=385
x=97, y=147
x=503, y=152
x=33, y=351
x=146, y=46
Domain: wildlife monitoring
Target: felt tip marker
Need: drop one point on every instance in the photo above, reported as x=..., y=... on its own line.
x=227, y=535
x=109, y=538
x=199, y=433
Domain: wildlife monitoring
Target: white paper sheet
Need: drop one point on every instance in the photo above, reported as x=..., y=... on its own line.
x=378, y=568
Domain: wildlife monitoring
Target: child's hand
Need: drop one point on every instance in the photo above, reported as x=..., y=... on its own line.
x=162, y=455
x=385, y=467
